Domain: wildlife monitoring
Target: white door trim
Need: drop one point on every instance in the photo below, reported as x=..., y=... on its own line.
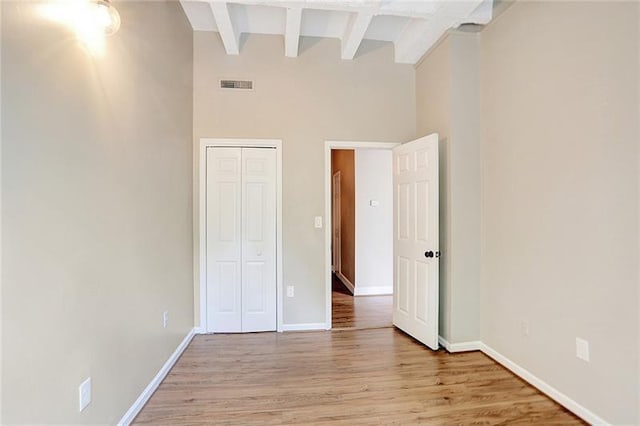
x=199, y=226
x=328, y=146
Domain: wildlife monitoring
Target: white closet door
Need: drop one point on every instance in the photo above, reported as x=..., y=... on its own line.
x=241, y=239
x=224, y=239
x=258, y=239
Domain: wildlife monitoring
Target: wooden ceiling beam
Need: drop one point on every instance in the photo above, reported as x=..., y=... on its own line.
x=228, y=35
x=356, y=28
x=292, y=32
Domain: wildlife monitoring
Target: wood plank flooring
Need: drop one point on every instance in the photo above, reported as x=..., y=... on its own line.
x=375, y=376
x=357, y=313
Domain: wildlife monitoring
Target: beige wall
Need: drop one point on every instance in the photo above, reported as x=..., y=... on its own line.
x=559, y=100
x=464, y=163
x=97, y=210
x=447, y=100
x=343, y=161
x=433, y=115
x=303, y=101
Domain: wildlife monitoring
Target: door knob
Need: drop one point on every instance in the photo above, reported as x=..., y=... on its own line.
x=428, y=253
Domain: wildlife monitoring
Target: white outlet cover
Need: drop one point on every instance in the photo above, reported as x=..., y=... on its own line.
x=290, y=291
x=582, y=349
x=317, y=222
x=165, y=319
x=84, y=394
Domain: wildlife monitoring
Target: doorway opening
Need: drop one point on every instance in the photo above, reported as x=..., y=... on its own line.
x=360, y=235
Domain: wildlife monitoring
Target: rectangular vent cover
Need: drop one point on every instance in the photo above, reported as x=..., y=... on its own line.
x=236, y=84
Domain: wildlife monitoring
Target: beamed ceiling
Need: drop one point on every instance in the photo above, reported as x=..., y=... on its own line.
x=413, y=26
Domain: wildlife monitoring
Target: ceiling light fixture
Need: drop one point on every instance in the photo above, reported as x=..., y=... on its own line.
x=91, y=20
x=106, y=17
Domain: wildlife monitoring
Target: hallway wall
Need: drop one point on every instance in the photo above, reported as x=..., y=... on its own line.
x=343, y=161
x=374, y=224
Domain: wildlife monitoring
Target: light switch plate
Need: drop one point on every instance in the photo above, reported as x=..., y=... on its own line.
x=318, y=222
x=374, y=203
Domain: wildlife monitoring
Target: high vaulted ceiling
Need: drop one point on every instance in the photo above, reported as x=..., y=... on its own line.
x=413, y=26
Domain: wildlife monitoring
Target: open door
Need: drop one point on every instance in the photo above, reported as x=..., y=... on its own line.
x=336, y=220
x=416, y=254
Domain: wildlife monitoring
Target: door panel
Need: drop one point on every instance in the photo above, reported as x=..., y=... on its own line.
x=226, y=296
x=415, y=182
x=403, y=267
x=259, y=239
x=224, y=243
x=254, y=284
x=255, y=203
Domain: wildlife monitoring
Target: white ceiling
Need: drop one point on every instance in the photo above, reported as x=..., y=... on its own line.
x=413, y=26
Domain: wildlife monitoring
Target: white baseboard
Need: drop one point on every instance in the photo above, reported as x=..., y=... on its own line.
x=544, y=387
x=199, y=330
x=346, y=282
x=304, y=327
x=373, y=291
x=460, y=347
x=155, y=382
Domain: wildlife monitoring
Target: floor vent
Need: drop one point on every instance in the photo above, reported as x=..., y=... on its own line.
x=236, y=84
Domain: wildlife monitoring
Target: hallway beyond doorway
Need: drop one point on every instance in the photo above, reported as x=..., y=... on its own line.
x=356, y=313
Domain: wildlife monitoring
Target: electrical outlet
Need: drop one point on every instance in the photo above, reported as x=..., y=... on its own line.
x=165, y=319
x=582, y=349
x=524, y=328
x=84, y=394
x=290, y=291
x=317, y=222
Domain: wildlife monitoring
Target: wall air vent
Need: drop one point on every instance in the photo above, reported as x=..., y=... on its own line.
x=236, y=84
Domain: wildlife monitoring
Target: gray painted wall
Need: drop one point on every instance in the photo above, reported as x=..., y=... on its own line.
x=303, y=101
x=559, y=98
x=447, y=85
x=97, y=210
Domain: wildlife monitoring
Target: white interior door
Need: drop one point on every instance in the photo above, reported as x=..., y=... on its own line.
x=224, y=239
x=336, y=221
x=258, y=239
x=241, y=239
x=415, y=239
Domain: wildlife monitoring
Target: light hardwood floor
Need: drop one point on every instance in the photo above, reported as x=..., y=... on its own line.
x=375, y=376
x=354, y=313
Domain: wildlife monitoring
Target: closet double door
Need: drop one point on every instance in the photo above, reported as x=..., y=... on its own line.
x=241, y=239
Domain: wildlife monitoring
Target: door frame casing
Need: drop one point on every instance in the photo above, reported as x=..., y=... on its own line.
x=199, y=226
x=330, y=145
